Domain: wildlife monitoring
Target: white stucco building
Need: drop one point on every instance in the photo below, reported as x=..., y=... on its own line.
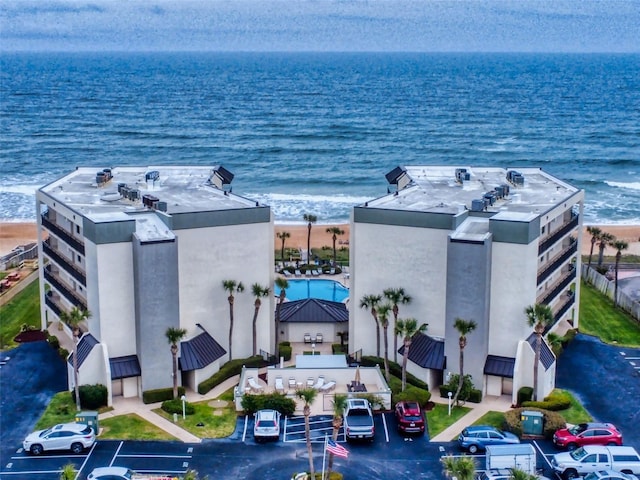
x=147, y=248
x=475, y=243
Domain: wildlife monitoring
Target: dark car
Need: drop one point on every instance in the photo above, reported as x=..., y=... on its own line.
x=409, y=417
x=477, y=438
x=587, y=434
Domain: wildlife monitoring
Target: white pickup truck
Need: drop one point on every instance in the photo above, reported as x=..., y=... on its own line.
x=358, y=419
x=123, y=473
x=593, y=458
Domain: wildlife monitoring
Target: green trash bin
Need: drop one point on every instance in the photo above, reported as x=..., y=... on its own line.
x=532, y=422
x=88, y=418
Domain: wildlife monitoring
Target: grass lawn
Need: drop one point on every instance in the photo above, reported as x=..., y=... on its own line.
x=61, y=409
x=216, y=422
x=131, y=427
x=438, y=419
x=495, y=419
x=24, y=308
x=576, y=413
x=598, y=317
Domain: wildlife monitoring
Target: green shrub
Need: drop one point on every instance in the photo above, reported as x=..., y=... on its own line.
x=160, y=395
x=557, y=401
x=318, y=475
x=285, y=343
x=53, y=341
x=412, y=393
x=475, y=396
x=91, y=396
x=552, y=421
x=525, y=394
x=175, y=406
x=64, y=353
x=395, y=370
x=228, y=370
x=569, y=336
x=273, y=401
x=466, y=393
x=337, y=349
x=285, y=352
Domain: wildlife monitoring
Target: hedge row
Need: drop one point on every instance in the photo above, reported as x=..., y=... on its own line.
x=175, y=406
x=552, y=421
x=91, y=396
x=228, y=370
x=395, y=370
x=160, y=395
x=285, y=351
x=474, y=395
x=556, y=401
x=272, y=401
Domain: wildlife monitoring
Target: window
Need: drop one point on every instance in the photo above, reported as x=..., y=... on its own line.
x=77, y=228
x=590, y=458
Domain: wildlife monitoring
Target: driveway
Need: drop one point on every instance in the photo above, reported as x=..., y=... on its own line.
x=606, y=379
x=32, y=374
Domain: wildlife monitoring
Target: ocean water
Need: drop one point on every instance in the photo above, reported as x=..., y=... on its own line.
x=316, y=133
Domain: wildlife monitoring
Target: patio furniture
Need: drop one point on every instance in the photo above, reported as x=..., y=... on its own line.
x=327, y=387
x=318, y=338
x=310, y=382
x=287, y=273
x=279, y=385
x=315, y=272
x=307, y=338
x=298, y=273
x=318, y=385
x=253, y=385
x=292, y=382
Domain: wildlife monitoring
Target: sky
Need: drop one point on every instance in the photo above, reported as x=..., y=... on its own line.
x=321, y=25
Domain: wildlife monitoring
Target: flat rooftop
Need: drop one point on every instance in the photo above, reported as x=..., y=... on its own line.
x=181, y=189
x=437, y=189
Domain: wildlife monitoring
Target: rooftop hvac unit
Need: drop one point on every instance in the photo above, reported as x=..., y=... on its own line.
x=162, y=206
x=477, y=205
x=515, y=177
x=499, y=191
x=505, y=189
x=101, y=178
x=121, y=186
x=107, y=171
x=462, y=175
x=133, y=194
x=152, y=175
x=490, y=197
x=149, y=200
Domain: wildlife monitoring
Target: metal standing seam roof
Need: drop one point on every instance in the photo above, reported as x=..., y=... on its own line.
x=313, y=310
x=85, y=345
x=499, y=366
x=125, y=367
x=199, y=352
x=426, y=352
x=547, y=358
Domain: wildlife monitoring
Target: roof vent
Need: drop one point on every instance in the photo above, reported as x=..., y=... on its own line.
x=103, y=176
x=153, y=175
x=478, y=205
x=515, y=178
x=462, y=175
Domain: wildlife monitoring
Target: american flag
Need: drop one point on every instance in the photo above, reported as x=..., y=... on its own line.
x=336, y=449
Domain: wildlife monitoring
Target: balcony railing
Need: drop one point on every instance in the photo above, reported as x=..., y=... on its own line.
x=63, y=289
x=558, y=234
x=62, y=233
x=63, y=263
x=48, y=300
x=558, y=287
x=557, y=261
x=565, y=307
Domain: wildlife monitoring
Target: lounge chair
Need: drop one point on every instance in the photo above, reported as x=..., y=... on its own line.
x=327, y=387
x=332, y=271
x=307, y=338
x=255, y=386
x=318, y=338
x=315, y=272
x=310, y=382
x=287, y=273
x=318, y=385
x=279, y=385
x=298, y=273
x=292, y=383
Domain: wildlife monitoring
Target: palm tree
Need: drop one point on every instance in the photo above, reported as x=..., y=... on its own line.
x=339, y=404
x=258, y=292
x=310, y=219
x=539, y=316
x=595, y=236
x=335, y=231
x=283, y=236
x=371, y=302
x=174, y=335
x=605, y=239
x=192, y=475
x=282, y=284
x=519, y=474
x=232, y=287
x=383, y=318
x=396, y=296
x=407, y=329
x=619, y=245
x=308, y=395
x=460, y=468
x=74, y=318
x=464, y=328
x=68, y=472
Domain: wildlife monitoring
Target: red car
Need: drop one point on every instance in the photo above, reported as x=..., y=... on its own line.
x=587, y=434
x=409, y=417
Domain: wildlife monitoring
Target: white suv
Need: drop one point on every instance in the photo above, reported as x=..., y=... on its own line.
x=64, y=436
x=267, y=425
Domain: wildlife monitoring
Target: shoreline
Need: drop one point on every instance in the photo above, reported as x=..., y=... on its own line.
x=14, y=234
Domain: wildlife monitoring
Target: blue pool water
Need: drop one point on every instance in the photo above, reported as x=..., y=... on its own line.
x=322, y=289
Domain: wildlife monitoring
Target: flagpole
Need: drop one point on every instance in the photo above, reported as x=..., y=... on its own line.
x=324, y=453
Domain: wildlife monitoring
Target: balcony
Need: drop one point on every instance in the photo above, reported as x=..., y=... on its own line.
x=69, y=294
x=558, y=260
x=62, y=234
x=558, y=234
x=50, y=302
x=571, y=300
x=552, y=292
x=63, y=263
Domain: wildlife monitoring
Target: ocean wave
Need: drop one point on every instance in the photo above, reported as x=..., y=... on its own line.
x=629, y=185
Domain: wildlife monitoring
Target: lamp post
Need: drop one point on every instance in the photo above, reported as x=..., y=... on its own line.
x=449, y=394
x=184, y=399
x=313, y=349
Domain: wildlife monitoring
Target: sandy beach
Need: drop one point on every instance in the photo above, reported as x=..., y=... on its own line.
x=13, y=234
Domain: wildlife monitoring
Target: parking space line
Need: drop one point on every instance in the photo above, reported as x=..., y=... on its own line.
x=244, y=430
x=27, y=472
x=386, y=430
x=115, y=455
x=87, y=459
x=148, y=455
x=45, y=457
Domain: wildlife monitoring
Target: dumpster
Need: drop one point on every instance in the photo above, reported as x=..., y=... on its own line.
x=532, y=422
x=88, y=418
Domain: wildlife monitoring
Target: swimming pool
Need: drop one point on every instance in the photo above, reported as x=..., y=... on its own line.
x=300, y=289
